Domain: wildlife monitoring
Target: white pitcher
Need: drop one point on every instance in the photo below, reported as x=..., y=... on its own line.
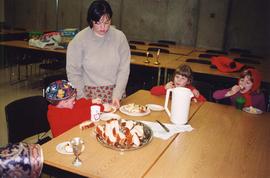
x=180, y=104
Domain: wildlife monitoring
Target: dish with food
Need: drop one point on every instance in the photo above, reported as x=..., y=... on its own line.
x=135, y=110
x=108, y=116
x=252, y=110
x=65, y=148
x=123, y=135
x=155, y=107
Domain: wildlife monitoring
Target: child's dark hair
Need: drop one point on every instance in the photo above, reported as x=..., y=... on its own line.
x=184, y=70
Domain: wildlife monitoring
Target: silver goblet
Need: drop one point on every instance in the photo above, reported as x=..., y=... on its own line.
x=77, y=147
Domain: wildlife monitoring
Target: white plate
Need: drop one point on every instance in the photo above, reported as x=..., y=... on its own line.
x=108, y=116
x=123, y=110
x=155, y=107
x=252, y=110
x=61, y=148
x=112, y=110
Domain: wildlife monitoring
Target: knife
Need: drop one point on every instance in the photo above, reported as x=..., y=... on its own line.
x=163, y=126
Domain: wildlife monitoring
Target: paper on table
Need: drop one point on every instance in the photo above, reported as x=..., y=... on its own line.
x=159, y=132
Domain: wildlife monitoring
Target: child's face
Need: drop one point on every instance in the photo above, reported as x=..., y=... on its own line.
x=245, y=84
x=68, y=103
x=180, y=81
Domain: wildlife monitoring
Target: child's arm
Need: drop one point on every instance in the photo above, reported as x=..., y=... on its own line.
x=220, y=94
x=158, y=90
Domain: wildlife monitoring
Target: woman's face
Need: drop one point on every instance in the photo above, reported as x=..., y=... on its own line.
x=180, y=81
x=102, y=26
x=245, y=84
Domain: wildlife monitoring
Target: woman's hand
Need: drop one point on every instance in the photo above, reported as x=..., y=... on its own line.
x=96, y=101
x=169, y=85
x=116, y=103
x=233, y=91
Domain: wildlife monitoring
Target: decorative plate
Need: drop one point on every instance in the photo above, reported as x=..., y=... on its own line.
x=252, y=110
x=155, y=107
x=148, y=135
x=124, y=110
x=108, y=116
x=65, y=148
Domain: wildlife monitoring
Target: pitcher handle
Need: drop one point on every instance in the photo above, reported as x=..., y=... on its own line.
x=166, y=102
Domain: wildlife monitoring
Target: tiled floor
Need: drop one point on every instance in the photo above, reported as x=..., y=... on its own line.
x=9, y=93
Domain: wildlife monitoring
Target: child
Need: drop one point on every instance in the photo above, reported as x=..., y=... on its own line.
x=182, y=78
x=65, y=111
x=248, y=87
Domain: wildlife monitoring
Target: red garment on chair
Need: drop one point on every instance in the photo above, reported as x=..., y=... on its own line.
x=225, y=64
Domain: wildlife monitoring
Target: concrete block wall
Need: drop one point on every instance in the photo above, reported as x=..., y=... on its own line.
x=201, y=23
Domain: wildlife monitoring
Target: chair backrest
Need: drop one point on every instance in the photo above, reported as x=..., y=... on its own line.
x=138, y=53
x=251, y=56
x=247, y=61
x=239, y=50
x=204, y=55
x=167, y=42
x=161, y=50
x=26, y=117
x=217, y=52
x=204, y=88
x=132, y=46
x=199, y=61
x=137, y=42
x=159, y=44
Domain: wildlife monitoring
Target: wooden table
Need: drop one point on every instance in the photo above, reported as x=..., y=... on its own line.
x=263, y=68
x=174, y=49
x=164, y=60
x=99, y=161
x=226, y=142
x=24, y=45
x=11, y=34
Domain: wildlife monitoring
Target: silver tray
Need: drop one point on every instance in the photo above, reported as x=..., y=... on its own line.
x=148, y=135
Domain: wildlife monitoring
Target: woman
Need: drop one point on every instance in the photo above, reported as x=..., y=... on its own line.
x=98, y=58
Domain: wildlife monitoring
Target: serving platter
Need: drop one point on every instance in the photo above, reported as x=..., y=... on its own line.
x=148, y=135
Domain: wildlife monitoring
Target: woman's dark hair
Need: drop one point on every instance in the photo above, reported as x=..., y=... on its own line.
x=96, y=10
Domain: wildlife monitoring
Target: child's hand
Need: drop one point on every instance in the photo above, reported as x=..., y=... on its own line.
x=169, y=85
x=233, y=91
x=196, y=93
x=96, y=101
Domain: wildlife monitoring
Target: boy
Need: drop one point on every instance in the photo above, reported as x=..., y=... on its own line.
x=65, y=111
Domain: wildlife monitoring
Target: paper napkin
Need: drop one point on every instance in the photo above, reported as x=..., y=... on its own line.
x=159, y=132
